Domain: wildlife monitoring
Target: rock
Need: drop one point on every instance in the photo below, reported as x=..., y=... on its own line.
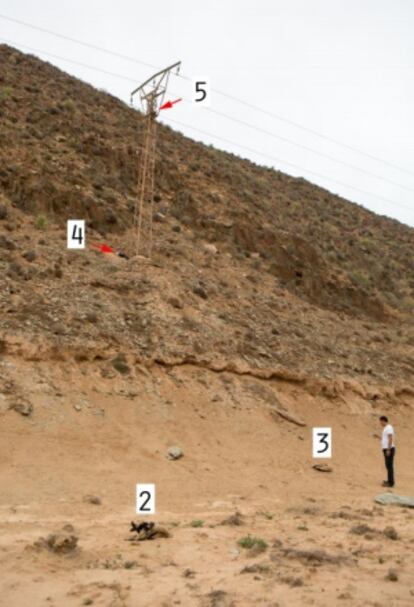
x=210, y=248
x=200, y=291
x=392, y=575
x=77, y=407
x=159, y=217
x=391, y=498
x=119, y=363
x=175, y=302
x=92, y=499
x=5, y=243
x=391, y=533
x=3, y=212
x=322, y=467
x=291, y=418
x=362, y=529
x=29, y=256
x=22, y=407
x=345, y=596
x=175, y=453
x=188, y=573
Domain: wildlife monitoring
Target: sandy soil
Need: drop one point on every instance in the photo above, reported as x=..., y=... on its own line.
x=96, y=433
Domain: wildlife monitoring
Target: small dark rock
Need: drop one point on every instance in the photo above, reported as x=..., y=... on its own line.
x=22, y=407
x=92, y=499
x=361, y=529
x=29, y=256
x=5, y=243
x=201, y=292
x=175, y=302
x=392, y=575
x=119, y=363
x=391, y=533
x=3, y=212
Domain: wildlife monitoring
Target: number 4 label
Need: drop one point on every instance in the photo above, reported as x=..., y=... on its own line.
x=76, y=233
x=146, y=498
x=200, y=93
x=322, y=442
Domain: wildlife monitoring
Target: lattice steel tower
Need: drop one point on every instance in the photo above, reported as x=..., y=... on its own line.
x=152, y=93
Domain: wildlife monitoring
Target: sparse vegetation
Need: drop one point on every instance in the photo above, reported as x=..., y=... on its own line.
x=197, y=523
x=68, y=105
x=250, y=542
x=5, y=92
x=40, y=222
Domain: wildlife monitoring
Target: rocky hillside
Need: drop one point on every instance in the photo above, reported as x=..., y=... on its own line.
x=253, y=268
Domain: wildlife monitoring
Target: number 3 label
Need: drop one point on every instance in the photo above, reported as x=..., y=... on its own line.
x=146, y=498
x=201, y=91
x=76, y=233
x=322, y=442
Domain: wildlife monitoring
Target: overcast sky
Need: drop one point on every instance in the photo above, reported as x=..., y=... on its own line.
x=341, y=68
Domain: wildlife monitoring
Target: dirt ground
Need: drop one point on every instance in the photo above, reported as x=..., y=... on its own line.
x=319, y=536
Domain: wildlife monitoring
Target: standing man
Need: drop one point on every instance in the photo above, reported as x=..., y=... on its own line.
x=388, y=448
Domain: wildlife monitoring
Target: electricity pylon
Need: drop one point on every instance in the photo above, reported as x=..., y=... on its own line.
x=152, y=93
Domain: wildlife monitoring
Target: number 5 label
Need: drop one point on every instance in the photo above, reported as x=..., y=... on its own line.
x=200, y=93
x=146, y=498
x=76, y=233
x=322, y=442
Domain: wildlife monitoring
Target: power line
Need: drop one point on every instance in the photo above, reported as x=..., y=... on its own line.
x=274, y=158
x=90, y=67
x=311, y=131
x=76, y=41
x=217, y=91
x=228, y=117
x=309, y=149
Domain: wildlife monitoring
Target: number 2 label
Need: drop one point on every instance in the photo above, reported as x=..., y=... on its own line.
x=201, y=91
x=146, y=498
x=322, y=442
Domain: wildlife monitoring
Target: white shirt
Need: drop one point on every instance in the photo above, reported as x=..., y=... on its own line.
x=385, y=434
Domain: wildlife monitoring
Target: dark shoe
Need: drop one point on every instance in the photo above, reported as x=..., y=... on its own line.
x=387, y=484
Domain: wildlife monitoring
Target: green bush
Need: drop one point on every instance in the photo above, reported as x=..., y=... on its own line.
x=40, y=222
x=5, y=91
x=251, y=542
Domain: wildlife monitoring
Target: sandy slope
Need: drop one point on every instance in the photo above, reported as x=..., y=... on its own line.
x=238, y=456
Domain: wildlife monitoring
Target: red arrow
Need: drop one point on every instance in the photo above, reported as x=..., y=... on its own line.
x=104, y=248
x=169, y=104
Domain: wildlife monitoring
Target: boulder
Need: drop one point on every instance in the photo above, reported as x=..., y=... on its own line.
x=175, y=453
x=392, y=499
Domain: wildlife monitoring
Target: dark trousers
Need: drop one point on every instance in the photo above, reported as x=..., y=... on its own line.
x=389, y=464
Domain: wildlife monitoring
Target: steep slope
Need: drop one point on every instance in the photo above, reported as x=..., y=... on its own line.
x=302, y=279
